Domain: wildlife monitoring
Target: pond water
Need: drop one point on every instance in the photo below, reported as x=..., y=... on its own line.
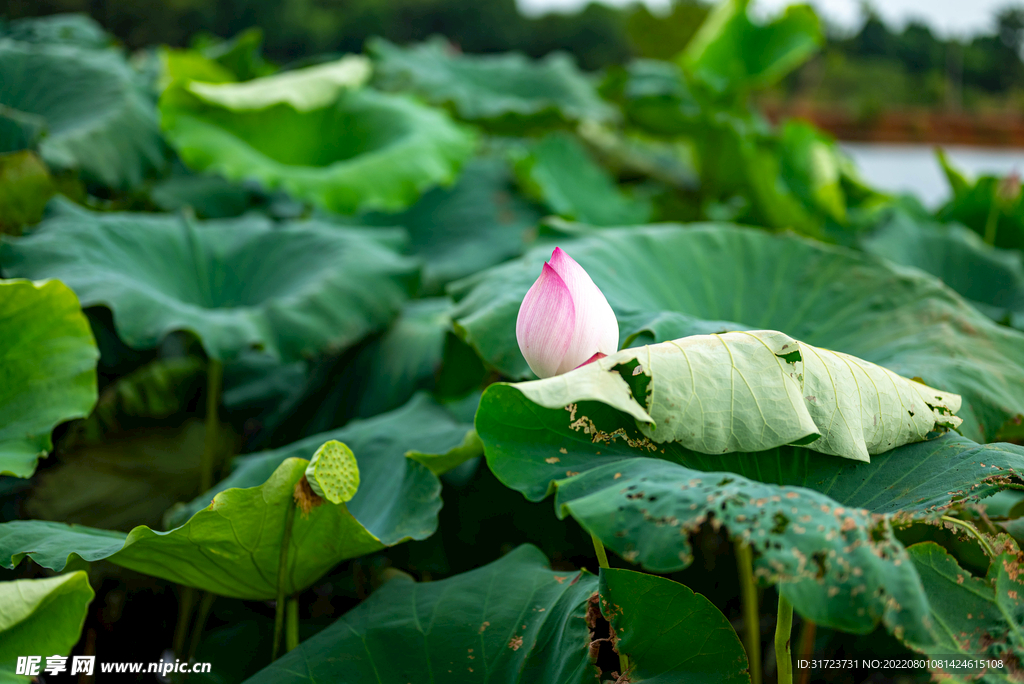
x=914, y=169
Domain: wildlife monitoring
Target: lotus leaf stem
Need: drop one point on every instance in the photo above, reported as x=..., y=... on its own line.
x=185, y=601
x=197, y=630
x=783, y=630
x=282, y=565
x=214, y=377
x=291, y=628
x=808, y=631
x=751, y=611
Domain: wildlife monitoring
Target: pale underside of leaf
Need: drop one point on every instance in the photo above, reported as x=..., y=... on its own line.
x=755, y=390
x=304, y=89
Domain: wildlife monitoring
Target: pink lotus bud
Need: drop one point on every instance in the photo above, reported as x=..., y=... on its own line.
x=565, y=321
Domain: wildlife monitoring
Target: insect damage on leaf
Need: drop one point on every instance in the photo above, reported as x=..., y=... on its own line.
x=603, y=639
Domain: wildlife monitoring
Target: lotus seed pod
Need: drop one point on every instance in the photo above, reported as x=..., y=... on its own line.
x=333, y=472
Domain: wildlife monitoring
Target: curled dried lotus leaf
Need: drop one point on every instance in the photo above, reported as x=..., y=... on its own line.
x=333, y=472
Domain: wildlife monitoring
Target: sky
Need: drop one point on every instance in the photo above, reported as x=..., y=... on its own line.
x=946, y=17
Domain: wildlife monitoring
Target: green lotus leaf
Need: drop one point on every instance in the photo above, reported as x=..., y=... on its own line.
x=992, y=207
x=652, y=616
x=47, y=369
x=731, y=54
x=508, y=90
x=304, y=89
x=667, y=282
x=289, y=290
x=840, y=567
x=755, y=390
x=480, y=221
x=41, y=617
x=384, y=445
x=990, y=278
x=974, y=618
x=232, y=547
x=381, y=374
x=87, y=103
x=529, y=446
x=516, y=620
x=558, y=171
x=71, y=29
x=310, y=133
x=25, y=188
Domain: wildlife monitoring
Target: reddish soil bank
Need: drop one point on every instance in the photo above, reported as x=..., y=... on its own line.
x=911, y=126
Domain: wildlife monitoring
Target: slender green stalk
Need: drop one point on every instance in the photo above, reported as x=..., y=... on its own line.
x=197, y=630
x=602, y=557
x=973, y=531
x=751, y=611
x=783, y=630
x=282, y=566
x=214, y=376
x=602, y=560
x=808, y=631
x=992, y=221
x=291, y=627
x=186, y=598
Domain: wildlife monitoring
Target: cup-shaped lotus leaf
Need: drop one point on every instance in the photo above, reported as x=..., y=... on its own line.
x=82, y=107
x=318, y=135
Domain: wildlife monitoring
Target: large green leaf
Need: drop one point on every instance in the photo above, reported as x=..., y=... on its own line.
x=653, y=616
x=72, y=29
x=507, y=90
x=289, y=290
x=311, y=133
x=423, y=430
x=755, y=390
x=841, y=567
x=515, y=620
x=529, y=447
x=732, y=54
x=88, y=104
x=47, y=369
x=974, y=618
x=643, y=500
x=41, y=617
x=479, y=222
x=558, y=171
x=666, y=282
x=992, y=279
x=232, y=547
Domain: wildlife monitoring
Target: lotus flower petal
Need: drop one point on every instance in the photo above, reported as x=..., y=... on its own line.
x=595, y=329
x=565, y=321
x=544, y=327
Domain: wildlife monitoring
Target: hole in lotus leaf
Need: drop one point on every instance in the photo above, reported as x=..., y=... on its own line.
x=333, y=473
x=793, y=357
